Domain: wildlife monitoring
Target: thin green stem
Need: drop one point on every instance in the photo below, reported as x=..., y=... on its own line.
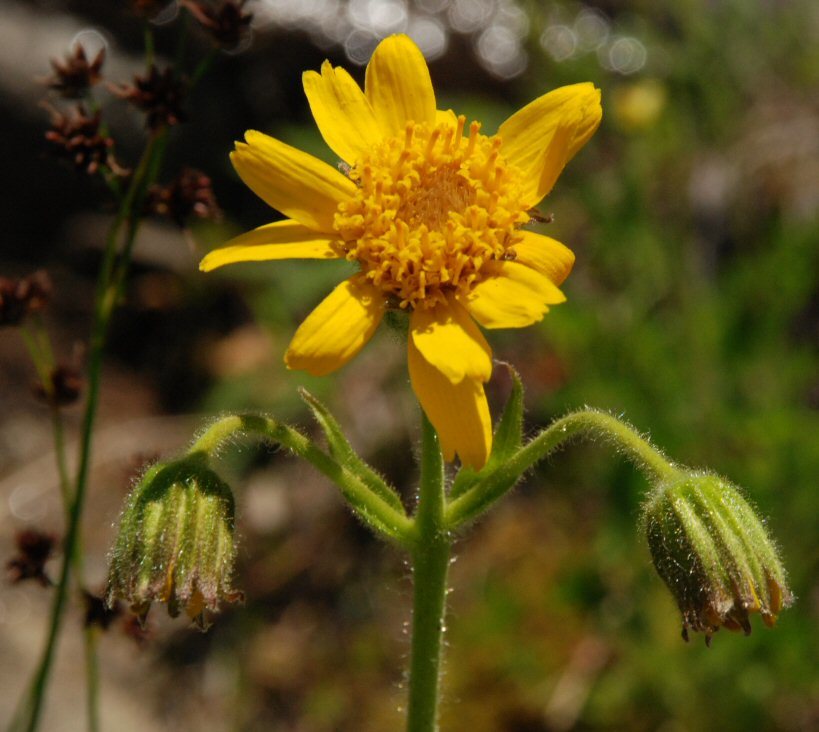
x=105, y=301
x=39, y=350
x=182, y=41
x=585, y=423
x=58, y=435
x=376, y=512
x=148, y=37
x=40, y=359
x=202, y=68
x=430, y=564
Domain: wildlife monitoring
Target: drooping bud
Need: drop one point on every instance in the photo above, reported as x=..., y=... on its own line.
x=176, y=542
x=715, y=555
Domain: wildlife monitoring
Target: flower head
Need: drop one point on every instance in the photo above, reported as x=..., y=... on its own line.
x=431, y=209
x=714, y=554
x=74, y=76
x=80, y=139
x=189, y=194
x=160, y=94
x=19, y=298
x=34, y=548
x=226, y=23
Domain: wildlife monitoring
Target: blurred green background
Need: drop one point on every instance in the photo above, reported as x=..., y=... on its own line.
x=693, y=311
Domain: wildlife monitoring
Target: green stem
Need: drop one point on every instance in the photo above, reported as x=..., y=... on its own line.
x=38, y=357
x=148, y=38
x=430, y=558
x=376, y=512
x=586, y=423
x=41, y=353
x=201, y=68
x=59, y=453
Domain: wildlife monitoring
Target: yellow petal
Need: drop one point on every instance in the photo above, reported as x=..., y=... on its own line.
x=398, y=85
x=459, y=412
x=337, y=329
x=291, y=181
x=342, y=112
x=447, y=337
x=513, y=297
x=283, y=240
x=543, y=136
x=545, y=255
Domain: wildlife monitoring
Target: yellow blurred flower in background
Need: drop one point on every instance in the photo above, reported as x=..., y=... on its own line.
x=637, y=106
x=433, y=217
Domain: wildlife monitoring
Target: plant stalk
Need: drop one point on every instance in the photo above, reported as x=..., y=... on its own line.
x=430, y=561
x=589, y=423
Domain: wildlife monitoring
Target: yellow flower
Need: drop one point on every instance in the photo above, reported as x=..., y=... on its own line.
x=431, y=210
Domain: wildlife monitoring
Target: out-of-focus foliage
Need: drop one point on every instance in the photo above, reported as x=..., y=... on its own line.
x=693, y=311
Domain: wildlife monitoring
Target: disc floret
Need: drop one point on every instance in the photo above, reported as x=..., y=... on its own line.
x=432, y=208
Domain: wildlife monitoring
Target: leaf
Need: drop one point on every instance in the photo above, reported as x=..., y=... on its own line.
x=509, y=432
x=342, y=451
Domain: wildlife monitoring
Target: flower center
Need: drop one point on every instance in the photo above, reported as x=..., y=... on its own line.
x=432, y=208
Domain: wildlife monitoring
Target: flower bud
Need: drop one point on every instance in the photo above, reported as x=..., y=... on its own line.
x=176, y=541
x=715, y=555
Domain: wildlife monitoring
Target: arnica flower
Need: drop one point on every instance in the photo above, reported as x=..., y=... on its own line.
x=715, y=554
x=431, y=210
x=176, y=542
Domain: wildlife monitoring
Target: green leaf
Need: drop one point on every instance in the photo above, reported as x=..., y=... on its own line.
x=509, y=432
x=506, y=442
x=343, y=453
x=464, y=480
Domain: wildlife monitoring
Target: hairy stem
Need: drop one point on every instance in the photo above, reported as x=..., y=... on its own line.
x=430, y=563
x=584, y=423
x=374, y=510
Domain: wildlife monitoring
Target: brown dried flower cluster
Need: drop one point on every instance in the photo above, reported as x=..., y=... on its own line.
x=63, y=388
x=74, y=76
x=78, y=139
x=147, y=7
x=34, y=548
x=20, y=297
x=97, y=612
x=159, y=94
x=226, y=23
x=189, y=194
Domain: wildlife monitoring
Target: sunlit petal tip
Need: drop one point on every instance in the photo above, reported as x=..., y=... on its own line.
x=542, y=137
x=398, y=84
x=545, y=255
x=342, y=112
